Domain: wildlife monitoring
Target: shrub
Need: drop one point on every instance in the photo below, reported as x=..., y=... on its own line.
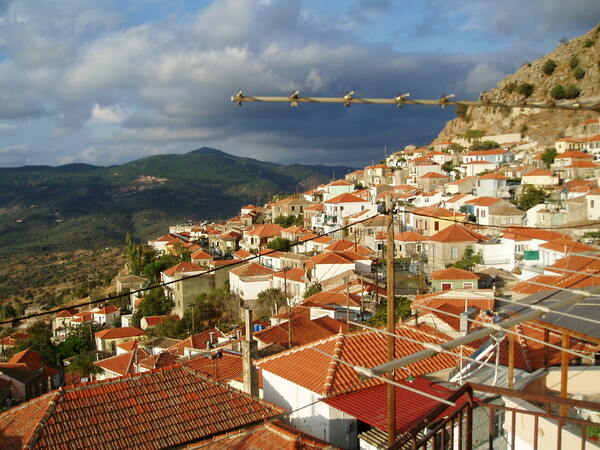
x=563, y=40
x=549, y=67
x=526, y=89
x=578, y=73
x=512, y=86
x=572, y=91
x=461, y=111
x=574, y=61
x=589, y=43
x=558, y=92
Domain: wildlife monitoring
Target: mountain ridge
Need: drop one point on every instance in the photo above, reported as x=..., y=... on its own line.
x=63, y=207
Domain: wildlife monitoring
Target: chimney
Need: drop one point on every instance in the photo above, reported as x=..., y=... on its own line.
x=470, y=313
x=249, y=352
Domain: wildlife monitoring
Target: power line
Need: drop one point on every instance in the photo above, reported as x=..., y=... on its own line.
x=401, y=99
x=161, y=285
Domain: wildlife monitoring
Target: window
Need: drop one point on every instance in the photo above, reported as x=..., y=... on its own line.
x=454, y=252
x=468, y=285
x=482, y=213
x=419, y=248
x=446, y=286
x=436, y=226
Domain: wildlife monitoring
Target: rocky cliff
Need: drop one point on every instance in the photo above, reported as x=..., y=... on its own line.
x=574, y=65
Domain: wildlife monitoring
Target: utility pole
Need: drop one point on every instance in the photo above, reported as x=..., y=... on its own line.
x=391, y=322
x=347, y=301
x=287, y=304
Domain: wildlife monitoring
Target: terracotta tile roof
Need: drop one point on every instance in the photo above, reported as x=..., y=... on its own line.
x=328, y=258
x=119, y=333
x=339, y=246
x=461, y=181
x=304, y=330
x=453, y=273
x=67, y=312
x=157, y=320
x=251, y=270
x=270, y=435
x=339, y=183
x=309, y=369
x=123, y=364
x=583, y=165
x=433, y=175
x=369, y=405
x=164, y=408
x=457, y=233
x=329, y=298
x=492, y=176
x=434, y=211
x=200, y=254
x=227, y=366
x=183, y=267
x=162, y=359
x=409, y=236
x=537, y=173
x=475, y=298
x=107, y=310
x=12, y=339
x=129, y=345
x=18, y=425
x=346, y=198
x=197, y=341
x=294, y=274
x=573, y=154
x=242, y=254
x=323, y=240
x=567, y=245
x=525, y=233
x=497, y=151
x=265, y=230
x=483, y=201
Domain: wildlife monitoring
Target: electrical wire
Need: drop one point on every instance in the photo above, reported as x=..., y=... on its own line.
x=161, y=285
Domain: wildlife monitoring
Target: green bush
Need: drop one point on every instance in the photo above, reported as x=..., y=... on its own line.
x=589, y=43
x=572, y=91
x=549, y=67
x=578, y=73
x=558, y=92
x=574, y=61
x=512, y=86
x=526, y=89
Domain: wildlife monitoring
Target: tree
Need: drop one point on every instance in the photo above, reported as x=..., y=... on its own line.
x=402, y=310
x=280, y=244
x=448, y=166
x=549, y=67
x=269, y=302
x=84, y=365
x=485, y=145
x=548, y=156
x=154, y=303
x=77, y=342
x=530, y=196
x=468, y=261
x=288, y=221
x=313, y=289
x=473, y=135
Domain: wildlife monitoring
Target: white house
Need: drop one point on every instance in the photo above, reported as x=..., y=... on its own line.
x=250, y=279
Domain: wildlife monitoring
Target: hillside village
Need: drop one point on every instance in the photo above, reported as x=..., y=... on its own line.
x=486, y=229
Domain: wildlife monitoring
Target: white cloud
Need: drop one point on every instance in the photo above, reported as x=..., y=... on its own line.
x=109, y=114
x=481, y=78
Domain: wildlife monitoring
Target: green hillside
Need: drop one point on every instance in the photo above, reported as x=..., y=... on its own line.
x=80, y=206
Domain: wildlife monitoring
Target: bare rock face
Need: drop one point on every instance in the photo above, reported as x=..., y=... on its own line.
x=577, y=65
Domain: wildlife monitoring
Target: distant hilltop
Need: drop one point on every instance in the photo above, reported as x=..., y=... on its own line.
x=572, y=71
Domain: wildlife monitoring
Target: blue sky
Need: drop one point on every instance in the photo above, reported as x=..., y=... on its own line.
x=109, y=82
